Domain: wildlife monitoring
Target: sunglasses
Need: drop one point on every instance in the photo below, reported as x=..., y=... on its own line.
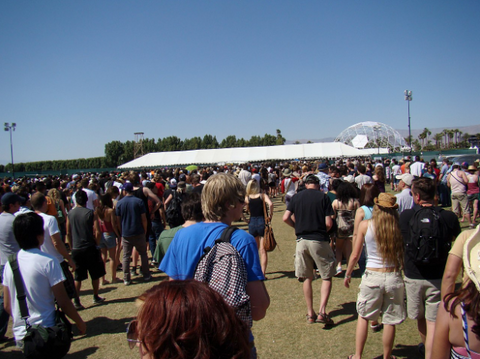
x=132, y=338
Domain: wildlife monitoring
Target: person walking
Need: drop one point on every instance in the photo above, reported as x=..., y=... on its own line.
x=344, y=206
x=132, y=225
x=310, y=214
x=382, y=287
x=256, y=224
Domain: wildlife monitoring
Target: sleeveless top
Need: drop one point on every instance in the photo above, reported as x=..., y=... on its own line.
x=374, y=260
x=345, y=219
x=105, y=226
x=456, y=183
x=368, y=212
x=460, y=352
x=472, y=184
x=255, y=206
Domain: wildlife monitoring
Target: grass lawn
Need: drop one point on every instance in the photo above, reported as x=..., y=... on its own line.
x=283, y=333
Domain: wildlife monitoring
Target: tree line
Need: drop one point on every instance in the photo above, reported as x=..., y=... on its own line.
x=117, y=152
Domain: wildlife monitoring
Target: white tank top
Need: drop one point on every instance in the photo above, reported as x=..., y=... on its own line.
x=374, y=260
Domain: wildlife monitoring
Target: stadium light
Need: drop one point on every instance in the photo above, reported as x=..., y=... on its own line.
x=11, y=128
x=408, y=98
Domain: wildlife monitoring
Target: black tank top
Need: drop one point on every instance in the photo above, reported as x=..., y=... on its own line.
x=256, y=206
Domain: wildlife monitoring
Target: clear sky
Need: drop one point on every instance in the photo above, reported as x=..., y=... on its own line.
x=75, y=75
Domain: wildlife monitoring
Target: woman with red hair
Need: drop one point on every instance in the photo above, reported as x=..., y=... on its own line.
x=187, y=319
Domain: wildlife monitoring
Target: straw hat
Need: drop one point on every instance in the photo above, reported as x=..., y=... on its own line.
x=471, y=257
x=386, y=200
x=287, y=172
x=471, y=168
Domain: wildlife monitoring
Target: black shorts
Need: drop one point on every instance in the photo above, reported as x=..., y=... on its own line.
x=69, y=283
x=88, y=260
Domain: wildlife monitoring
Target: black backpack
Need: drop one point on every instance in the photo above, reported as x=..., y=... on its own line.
x=428, y=244
x=224, y=269
x=173, y=212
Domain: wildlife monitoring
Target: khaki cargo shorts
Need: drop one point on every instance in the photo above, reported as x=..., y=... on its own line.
x=423, y=298
x=382, y=294
x=310, y=252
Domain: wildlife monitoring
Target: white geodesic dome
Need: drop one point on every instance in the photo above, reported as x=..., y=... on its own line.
x=371, y=135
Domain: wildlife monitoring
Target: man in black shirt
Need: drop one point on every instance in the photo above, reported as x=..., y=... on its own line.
x=423, y=281
x=83, y=234
x=313, y=211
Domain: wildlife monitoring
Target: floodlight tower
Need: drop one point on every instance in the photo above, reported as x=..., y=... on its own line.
x=408, y=98
x=11, y=127
x=138, y=145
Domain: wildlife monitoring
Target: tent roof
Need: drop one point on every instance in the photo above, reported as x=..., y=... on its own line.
x=244, y=154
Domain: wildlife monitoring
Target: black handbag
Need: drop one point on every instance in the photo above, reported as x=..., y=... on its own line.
x=41, y=342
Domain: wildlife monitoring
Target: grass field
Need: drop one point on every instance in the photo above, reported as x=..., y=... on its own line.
x=283, y=333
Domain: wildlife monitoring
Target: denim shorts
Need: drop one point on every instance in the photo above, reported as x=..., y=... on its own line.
x=109, y=240
x=256, y=227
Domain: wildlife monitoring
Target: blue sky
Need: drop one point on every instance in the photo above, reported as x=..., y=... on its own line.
x=75, y=75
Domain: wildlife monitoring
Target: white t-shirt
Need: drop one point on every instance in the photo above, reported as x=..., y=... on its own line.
x=91, y=196
x=51, y=227
x=40, y=273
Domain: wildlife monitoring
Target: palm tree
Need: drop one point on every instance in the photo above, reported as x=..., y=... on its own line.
x=421, y=137
x=438, y=140
x=450, y=136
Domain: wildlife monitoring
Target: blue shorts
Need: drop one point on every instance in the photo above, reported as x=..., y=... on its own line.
x=256, y=227
x=109, y=240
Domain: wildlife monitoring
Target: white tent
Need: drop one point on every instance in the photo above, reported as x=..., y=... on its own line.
x=244, y=154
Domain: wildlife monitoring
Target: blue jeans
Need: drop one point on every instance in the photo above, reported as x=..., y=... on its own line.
x=3, y=313
x=157, y=229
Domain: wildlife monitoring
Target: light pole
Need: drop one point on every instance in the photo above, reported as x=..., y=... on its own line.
x=11, y=127
x=408, y=98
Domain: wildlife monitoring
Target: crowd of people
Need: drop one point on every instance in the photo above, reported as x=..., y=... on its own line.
x=340, y=211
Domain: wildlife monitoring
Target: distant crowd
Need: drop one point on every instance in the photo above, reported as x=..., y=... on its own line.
x=340, y=210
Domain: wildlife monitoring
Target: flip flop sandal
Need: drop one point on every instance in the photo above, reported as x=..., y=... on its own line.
x=311, y=319
x=351, y=356
x=324, y=318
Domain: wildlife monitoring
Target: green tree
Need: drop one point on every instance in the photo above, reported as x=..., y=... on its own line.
x=113, y=153
x=438, y=140
x=269, y=140
x=210, y=142
x=229, y=142
x=280, y=139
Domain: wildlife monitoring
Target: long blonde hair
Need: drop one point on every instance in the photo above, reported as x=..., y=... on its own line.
x=388, y=235
x=54, y=194
x=252, y=187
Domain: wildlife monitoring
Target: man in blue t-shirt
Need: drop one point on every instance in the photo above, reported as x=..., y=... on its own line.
x=223, y=198
x=132, y=221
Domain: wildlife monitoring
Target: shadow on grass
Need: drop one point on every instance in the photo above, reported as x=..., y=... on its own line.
x=283, y=274
x=81, y=354
x=104, y=325
x=404, y=351
x=347, y=308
